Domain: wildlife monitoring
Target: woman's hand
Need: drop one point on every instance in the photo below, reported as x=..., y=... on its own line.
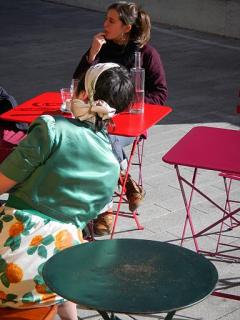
x=97, y=43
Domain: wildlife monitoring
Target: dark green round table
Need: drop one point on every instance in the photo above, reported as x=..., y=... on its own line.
x=131, y=276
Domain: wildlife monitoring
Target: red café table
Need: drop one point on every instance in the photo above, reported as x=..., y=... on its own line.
x=124, y=124
x=207, y=148
x=130, y=125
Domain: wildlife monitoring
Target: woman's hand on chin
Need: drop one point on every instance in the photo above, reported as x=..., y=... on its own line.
x=97, y=43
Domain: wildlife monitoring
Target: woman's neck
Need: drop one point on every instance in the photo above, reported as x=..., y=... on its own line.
x=123, y=41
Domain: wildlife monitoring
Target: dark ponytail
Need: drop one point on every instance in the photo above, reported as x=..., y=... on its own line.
x=143, y=26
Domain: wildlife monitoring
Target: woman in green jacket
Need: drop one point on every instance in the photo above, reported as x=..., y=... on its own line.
x=59, y=178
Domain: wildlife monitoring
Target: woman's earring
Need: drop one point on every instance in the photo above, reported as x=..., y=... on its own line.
x=123, y=37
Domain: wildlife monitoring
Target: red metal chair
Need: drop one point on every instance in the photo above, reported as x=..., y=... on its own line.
x=238, y=106
x=233, y=222
x=43, y=313
x=8, y=140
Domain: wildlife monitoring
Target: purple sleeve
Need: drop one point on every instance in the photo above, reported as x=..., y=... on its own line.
x=156, y=91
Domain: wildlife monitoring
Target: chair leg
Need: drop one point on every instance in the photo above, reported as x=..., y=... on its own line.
x=90, y=235
x=233, y=221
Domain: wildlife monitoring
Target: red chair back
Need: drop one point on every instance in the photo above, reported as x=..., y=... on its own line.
x=238, y=106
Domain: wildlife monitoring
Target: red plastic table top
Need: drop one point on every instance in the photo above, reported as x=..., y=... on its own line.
x=207, y=148
x=126, y=124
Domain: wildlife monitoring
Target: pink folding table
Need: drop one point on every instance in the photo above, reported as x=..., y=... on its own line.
x=124, y=124
x=207, y=148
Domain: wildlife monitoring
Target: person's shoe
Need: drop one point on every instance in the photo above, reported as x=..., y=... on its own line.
x=134, y=193
x=103, y=224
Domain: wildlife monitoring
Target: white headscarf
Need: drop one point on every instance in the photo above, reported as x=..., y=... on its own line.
x=88, y=111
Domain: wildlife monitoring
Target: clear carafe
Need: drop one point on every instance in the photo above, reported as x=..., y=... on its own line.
x=138, y=78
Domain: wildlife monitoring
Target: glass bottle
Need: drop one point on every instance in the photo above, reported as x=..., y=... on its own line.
x=138, y=78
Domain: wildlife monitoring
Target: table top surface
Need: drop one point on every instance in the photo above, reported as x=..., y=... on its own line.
x=207, y=148
x=131, y=276
x=126, y=124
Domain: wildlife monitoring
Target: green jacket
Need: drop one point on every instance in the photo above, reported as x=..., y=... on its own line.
x=64, y=169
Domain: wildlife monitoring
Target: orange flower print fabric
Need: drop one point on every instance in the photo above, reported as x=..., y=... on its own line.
x=63, y=240
x=29, y=240
x=13, y=273
x=16, y=229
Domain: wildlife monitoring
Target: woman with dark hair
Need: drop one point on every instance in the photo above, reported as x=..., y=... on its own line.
x=60, y=177
x=126, y=30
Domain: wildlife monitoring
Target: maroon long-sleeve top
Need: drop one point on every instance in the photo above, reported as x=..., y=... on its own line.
x=156, y=91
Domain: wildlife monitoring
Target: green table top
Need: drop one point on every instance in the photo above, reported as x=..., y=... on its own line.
x=131, y=276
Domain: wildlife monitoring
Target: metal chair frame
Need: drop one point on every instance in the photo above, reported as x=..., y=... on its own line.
x=233, y=221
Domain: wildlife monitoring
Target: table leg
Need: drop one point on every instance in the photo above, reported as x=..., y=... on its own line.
x=188, y=219
x=170, y=315
x=187, y=203
x=105, y=315
x=140, y=148
x=121, y=195
x=113, y=317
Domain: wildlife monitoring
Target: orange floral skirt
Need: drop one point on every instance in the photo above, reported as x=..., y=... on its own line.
x=26, y=242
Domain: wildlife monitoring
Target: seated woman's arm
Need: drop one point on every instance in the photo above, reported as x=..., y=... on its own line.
x=90, y=57
x=5, y=183
x=28, y=155
x=82, y=67
x=156, y=91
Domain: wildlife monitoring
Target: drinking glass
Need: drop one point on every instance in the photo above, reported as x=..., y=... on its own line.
x=74, y=85
x=66, y=96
